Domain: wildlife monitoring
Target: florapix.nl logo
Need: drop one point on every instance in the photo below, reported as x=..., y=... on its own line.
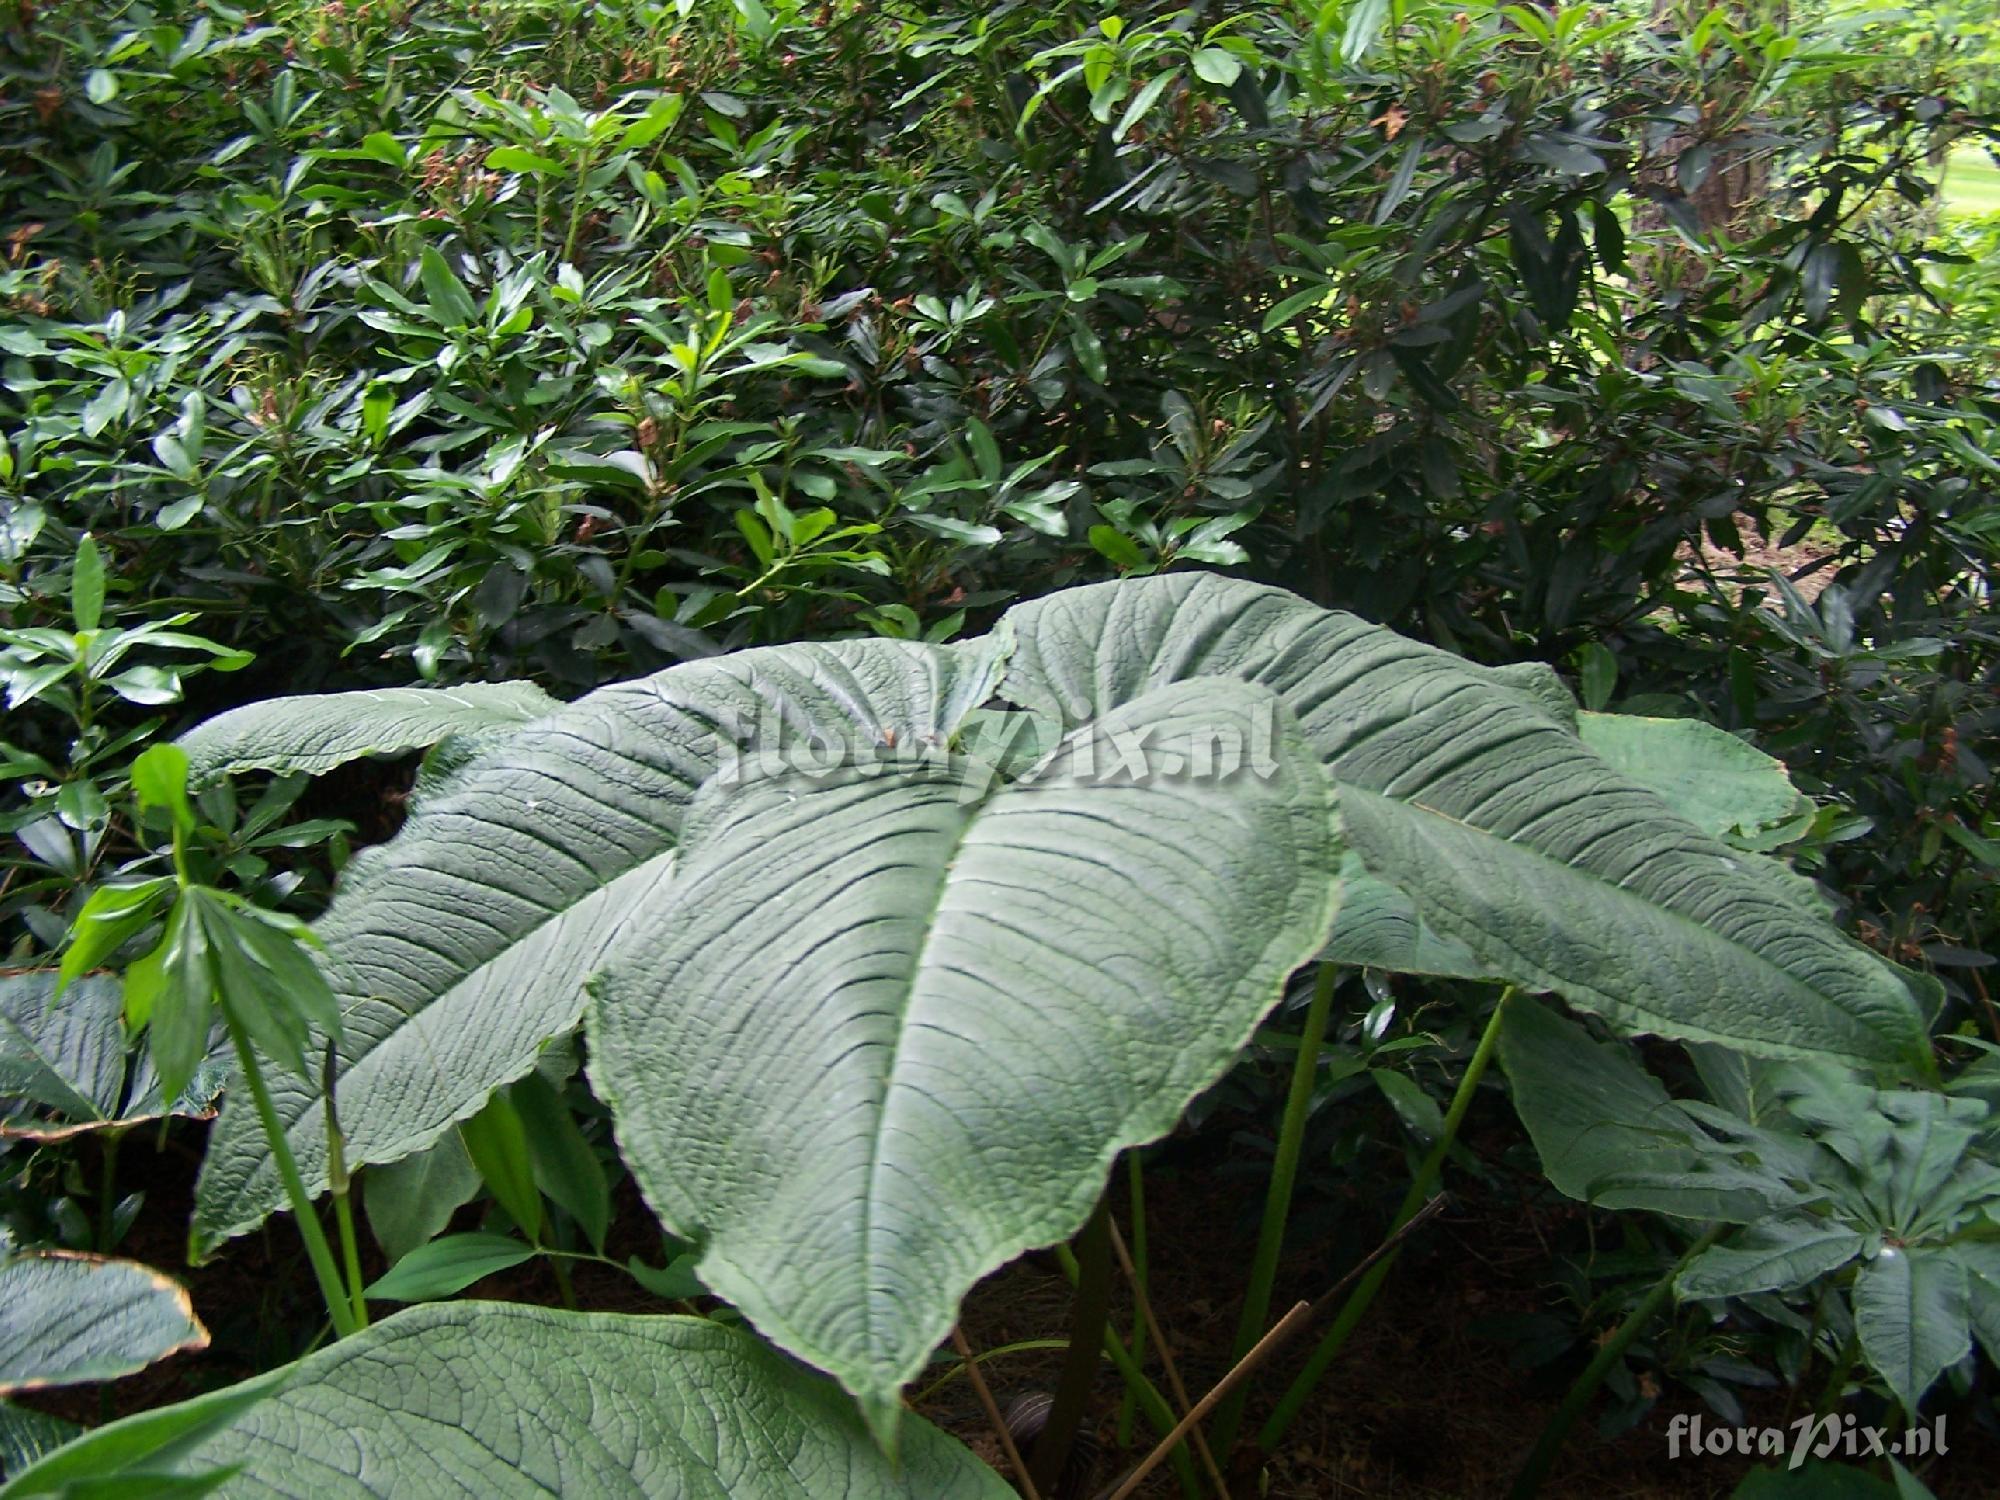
x=1205, y=743
x=1833, y=1435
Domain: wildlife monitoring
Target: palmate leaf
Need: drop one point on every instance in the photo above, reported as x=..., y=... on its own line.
x=460, y=948
x=1981, y=1259
x=493, y=1401
x=1609, y=1134
x=315, y=733
x=1912, y=1310
x=1463, y=788
x=67, y=1318
x=1776, y=1254
x=891, y=1029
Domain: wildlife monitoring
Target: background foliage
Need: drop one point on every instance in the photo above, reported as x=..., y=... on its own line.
x=351, y=343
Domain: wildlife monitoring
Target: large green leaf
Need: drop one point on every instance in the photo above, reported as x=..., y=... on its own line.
x=67, y=1318
x=1775, y=1255
x=1378, y=928
x=459, y=948
x=1464, y=788
x=1706, y=774
x=1606, y=1131
x=1912, y=1311
x=891, y=1029
x=1981, y=1260
x=410, y=1201
x=315, y=733
x=491, y=1401
x=66, y=1056
x=65, y=1061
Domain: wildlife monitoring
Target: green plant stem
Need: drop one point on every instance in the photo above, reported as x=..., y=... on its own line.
x=1151, y=1402
x=1812, y=1342
x=584, y=165
x=338, y=1183
x=1158, y=1413
x=107, y=1190
x=1135, y=1175
x=1358, y=1301
x=1535, y=1471
x=1250, y=1325
x=1090, y=1320
x=350, y=1255
x=1836, y=1384
x=317, y=1249
x=565, y=1288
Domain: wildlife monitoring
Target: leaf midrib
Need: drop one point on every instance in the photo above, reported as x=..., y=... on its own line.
x=903, y=1028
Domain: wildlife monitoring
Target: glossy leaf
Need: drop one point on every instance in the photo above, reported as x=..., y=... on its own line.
x=560, y=1159
x=449, y=1265
x=86, y=584
x=497, y=1142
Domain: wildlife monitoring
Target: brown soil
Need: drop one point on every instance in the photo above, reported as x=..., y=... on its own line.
x=1761, y=558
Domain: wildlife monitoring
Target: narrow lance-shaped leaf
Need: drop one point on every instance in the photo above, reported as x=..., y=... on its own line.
x=1463, y=788
x=497, y=1142
x=564, y=1166
x=892, y=1028
x=449, y=1265
x=459, y=948
x=1981, y=1260
x=1777, y=1254
x=497, y=1401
